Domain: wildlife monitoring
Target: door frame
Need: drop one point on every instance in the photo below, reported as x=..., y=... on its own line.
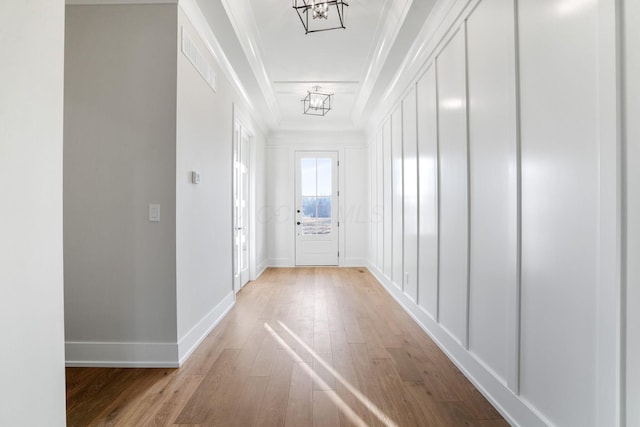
x=241, y=119
x=335, y=217
x=291, y=217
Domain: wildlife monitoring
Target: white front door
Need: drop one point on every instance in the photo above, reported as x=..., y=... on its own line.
x=316, y=208
x=240, y=208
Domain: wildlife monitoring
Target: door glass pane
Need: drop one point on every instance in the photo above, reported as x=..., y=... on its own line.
x=316, y=189
x=308, y=177
x=324, y=177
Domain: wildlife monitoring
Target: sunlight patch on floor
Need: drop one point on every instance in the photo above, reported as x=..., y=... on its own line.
x=333, y=395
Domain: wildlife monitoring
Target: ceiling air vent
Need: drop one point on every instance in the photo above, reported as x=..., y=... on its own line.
x=198, y=60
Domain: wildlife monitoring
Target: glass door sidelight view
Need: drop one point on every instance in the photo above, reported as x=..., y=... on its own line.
x=240, y=208
x=316, y=209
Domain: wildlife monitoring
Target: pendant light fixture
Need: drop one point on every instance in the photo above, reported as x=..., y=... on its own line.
x=317, y=103
x=319, y=15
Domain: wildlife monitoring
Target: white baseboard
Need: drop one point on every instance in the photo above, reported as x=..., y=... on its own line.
x=121, y=354
x=262, y=266
x=145, y=355
x=354, y=262
x=192, y=339
x=514, y=409
x=278, y=262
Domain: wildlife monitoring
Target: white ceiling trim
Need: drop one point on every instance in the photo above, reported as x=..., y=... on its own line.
x=110, y=2
x=246, y=30
x=444, y=17
x=203, y=29
x=394, y=14
x=301, y=87
x=323, y=140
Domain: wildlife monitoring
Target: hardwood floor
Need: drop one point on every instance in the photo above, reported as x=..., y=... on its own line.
x=301, y=347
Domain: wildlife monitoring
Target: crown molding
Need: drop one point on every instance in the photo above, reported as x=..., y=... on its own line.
x=393, y=15
x=115, y=2
x=434, y=33
x=243, y=22
x=201, y=25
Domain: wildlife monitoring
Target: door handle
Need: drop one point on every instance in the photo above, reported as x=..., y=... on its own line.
x=298, y=222
x=239, y=228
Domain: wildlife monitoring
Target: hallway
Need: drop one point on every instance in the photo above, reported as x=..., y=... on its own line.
x=301, y=347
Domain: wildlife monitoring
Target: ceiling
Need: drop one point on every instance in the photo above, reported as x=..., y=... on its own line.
x=277, y=62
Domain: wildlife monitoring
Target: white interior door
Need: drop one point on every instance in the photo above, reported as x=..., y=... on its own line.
x=240, y=207
x=316, y=208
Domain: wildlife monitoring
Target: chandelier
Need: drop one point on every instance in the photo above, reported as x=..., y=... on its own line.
x=316, y=103
x=319, y=15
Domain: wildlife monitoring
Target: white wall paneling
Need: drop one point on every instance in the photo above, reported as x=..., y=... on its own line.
x=610, y=393
x=378, y=217
x=388, y=208
x=427, y=114
x=373, y=194
x=410, y=194
x=559, y=148
x=454, y=236
x=521, y=207
x=354, y=215
x=631, y=187
x=397, y=269
x=493, y=193
x=31, y=229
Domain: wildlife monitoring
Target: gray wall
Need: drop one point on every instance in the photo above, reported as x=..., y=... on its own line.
x=139, y=118
x=31, y=306
x=119, y=156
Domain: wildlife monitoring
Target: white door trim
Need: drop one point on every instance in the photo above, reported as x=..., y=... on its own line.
x=241, y=118
x=327, y=244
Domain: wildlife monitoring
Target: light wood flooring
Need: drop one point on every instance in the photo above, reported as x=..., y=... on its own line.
x=301, y=347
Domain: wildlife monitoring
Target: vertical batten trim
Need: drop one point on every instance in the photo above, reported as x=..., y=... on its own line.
x=438, y=209
x=467, y=311
x=402, y=196
x=624, y=188
x=417, y=162
x=513, y=339
x=611, y=326
x=392, y=214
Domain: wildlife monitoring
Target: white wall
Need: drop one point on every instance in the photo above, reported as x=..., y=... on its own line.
x=260, y=202
x=387, y=197
x=454, y=240
x=559, y=209
x=410, y=193
x=119, y=157
x=31, y=277
x=632, y=136
x=204, y=143
x=427, y=117
x=397, y=233
x=509, y=182
x=354, y=213
x=493, y=194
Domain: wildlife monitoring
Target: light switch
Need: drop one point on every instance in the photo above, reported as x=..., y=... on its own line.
x=195, y=177
x=154, y=213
